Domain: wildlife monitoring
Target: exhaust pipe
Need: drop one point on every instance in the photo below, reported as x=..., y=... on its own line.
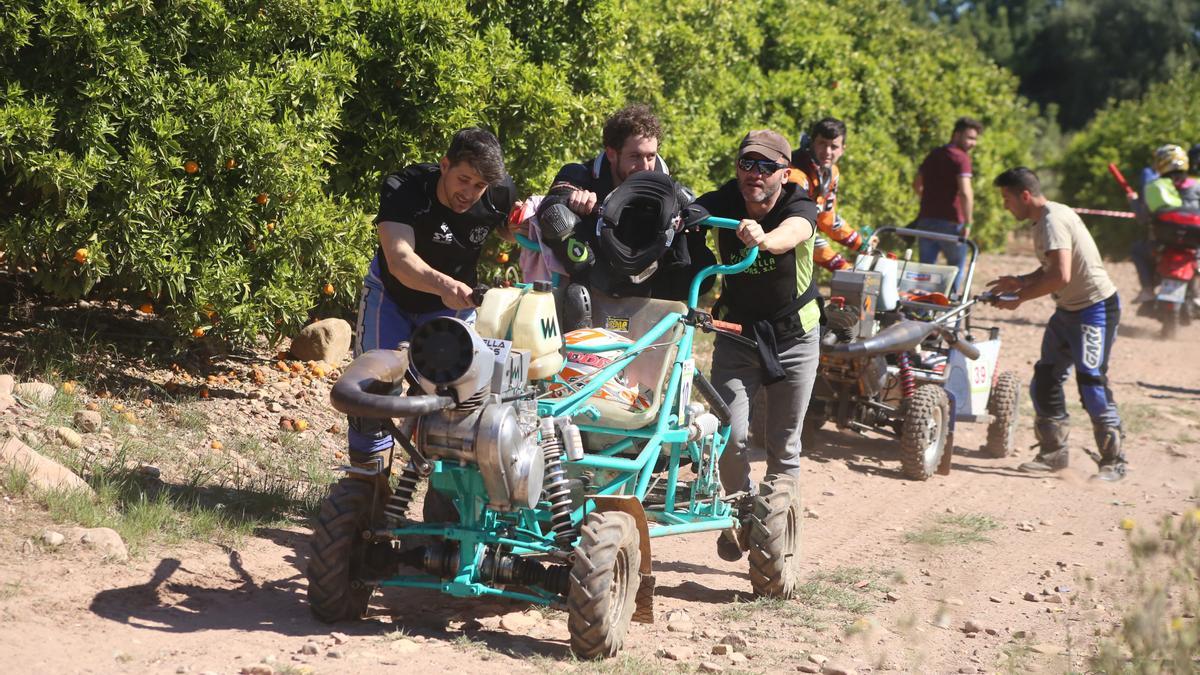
x=901, y=337
x=370, y=388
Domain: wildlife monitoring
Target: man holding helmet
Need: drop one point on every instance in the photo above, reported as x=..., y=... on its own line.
x=775, y=302
x=638, y=245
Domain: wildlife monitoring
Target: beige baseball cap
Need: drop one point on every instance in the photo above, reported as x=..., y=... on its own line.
x=767, y=143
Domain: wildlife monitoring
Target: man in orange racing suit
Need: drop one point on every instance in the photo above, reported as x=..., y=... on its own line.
x=814, y=169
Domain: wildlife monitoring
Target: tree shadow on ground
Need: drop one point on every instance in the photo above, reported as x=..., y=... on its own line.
x=681, y=567
x=1169, y=392
x=695, y=592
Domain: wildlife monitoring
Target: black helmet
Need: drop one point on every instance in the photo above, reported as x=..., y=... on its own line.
x=638, y=228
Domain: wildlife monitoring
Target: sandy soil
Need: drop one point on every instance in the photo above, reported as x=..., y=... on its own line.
x=878, y=603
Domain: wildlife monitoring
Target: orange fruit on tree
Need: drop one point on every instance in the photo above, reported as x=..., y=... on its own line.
x=262, y=199
x=81, y=255
x=231, y=163
x=502, y=257
x=197, y=332
x=327, y=289
x=270, y=227
x=146, y=308
x=191, y=166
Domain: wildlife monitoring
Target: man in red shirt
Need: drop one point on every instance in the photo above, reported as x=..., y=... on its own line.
x=943, y=183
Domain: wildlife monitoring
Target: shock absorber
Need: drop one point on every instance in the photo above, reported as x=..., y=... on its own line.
x=397, y=506
x=908, y=383
x=558, y=491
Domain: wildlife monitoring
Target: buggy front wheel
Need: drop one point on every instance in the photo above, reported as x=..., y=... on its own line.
x=340, y=554
x=604, y=584
x=923, y=436
x=774, y=538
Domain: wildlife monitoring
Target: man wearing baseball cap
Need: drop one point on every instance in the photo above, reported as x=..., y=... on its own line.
x=775, y=302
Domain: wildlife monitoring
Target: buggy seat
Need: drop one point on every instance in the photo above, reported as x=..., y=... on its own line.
x=632, y=318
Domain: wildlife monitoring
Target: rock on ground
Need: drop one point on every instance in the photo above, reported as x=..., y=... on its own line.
x=326, y=340
x=103, y=539
x=69, y=437
x=35, y=392
x=44, y=473
x=88, y=421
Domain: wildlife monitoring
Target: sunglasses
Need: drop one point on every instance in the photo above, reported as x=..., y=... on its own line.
x=761, y=166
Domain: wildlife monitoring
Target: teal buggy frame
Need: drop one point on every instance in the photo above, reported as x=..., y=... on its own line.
x=518, y=554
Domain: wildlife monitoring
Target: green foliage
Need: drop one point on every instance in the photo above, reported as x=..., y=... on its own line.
x=1077, y=54
x=222, y=157
x=1159, y=632
x=1126, y=134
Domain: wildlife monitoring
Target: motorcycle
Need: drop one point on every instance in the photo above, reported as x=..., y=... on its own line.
x=1176, y=235
x=1177, y=238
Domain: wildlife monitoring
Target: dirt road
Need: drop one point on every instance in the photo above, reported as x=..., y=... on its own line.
x=894, y=568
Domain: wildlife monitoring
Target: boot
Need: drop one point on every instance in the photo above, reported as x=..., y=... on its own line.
x=1052, y=435
x=1112, y=456
x=732, y=543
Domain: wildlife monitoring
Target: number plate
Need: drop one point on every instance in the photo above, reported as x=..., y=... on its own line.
x=1172, y=290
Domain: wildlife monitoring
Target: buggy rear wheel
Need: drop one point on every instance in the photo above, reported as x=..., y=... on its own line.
x=1004, y=405
x=923, y=435
x=604, y=584
x=774, y=538
x=340, y=554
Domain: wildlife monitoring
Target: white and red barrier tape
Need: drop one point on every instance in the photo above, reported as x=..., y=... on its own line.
x=1105, y=212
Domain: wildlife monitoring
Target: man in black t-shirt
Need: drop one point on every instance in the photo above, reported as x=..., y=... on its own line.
x=775, y=303
x=433, y=221
x=631, y=138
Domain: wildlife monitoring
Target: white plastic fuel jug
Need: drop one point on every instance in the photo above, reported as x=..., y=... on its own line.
x=536, y=329
x=495, y=316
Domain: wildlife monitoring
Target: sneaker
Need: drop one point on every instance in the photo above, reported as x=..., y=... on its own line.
x=1144, y=295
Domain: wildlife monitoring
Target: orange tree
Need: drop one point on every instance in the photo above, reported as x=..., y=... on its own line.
x=222, y=157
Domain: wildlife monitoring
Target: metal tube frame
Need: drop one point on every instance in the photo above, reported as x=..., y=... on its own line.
x=525, y=532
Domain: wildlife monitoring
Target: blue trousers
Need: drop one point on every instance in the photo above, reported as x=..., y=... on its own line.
x=927, y=249
x=1142, y=253
x=1081, y=340
x=383, y=325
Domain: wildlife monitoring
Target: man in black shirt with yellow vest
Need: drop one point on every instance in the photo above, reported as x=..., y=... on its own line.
x=775, y=302
x=433, y=220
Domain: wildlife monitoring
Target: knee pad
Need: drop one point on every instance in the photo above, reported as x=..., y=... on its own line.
x=366, y=435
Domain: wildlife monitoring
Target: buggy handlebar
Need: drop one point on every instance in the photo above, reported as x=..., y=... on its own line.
x=739, y=266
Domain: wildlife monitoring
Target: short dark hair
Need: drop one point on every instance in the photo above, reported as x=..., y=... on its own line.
x=479, y=148
x=828, y=128
x=635, y=119
x=964, y=123
x=1019, y=179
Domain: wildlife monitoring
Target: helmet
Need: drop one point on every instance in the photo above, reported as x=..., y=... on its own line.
x=1194, y=157
x=640, y=230
x=1170, y=158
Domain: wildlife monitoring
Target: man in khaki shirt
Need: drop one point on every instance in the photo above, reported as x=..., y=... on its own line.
x=1080, y=333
